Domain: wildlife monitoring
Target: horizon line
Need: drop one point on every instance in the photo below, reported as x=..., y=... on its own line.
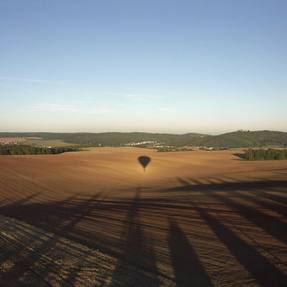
x=146, y=132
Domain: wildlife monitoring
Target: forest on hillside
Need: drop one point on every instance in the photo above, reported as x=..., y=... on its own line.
x=227, y=140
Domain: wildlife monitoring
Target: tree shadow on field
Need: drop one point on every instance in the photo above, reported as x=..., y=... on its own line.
x=259, y=267
x=113, y=227
x=196, y=185
x=260, y=201
x=186, y=263
x=272, y=225
x=138, y=251
x=214, y=195
x=20, y=201
x=274, y=197
x=24, y=263
x=63, y=225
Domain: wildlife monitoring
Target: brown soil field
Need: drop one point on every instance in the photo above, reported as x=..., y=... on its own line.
x=96, y=218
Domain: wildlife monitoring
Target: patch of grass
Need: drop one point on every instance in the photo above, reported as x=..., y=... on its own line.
x=45, y=142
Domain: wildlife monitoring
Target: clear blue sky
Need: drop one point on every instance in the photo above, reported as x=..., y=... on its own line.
x=153, y=65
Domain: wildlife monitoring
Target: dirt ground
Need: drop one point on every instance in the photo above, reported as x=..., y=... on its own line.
x=96, y=218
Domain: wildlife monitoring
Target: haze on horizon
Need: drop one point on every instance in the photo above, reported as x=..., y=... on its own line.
x=159, y=66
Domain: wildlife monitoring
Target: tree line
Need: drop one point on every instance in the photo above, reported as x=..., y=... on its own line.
x=264, y=154
x=26, y=149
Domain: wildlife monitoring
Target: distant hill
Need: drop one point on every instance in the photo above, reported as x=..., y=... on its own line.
x=115, y=138
x=248, y=139
x=228, y=140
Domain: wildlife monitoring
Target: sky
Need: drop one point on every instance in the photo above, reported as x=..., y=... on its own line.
x=176, y=66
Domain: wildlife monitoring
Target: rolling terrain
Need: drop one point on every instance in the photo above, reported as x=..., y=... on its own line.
x=96, y=218
x=236, y=139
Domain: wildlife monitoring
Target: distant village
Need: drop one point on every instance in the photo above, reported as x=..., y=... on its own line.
x=164, y=148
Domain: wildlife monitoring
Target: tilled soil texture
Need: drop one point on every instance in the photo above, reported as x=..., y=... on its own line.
x=96, y=218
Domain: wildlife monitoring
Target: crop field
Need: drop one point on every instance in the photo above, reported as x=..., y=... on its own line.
x=97, y=218
x=44, y=142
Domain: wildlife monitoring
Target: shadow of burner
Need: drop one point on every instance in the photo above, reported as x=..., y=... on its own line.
x=144, y=161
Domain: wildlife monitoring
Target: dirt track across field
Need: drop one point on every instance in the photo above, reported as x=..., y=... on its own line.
x=96, y=218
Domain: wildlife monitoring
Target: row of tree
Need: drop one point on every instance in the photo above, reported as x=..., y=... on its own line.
x=265, y=154
x=26, y=149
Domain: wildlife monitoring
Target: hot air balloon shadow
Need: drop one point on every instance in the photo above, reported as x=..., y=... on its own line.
x=144, y=161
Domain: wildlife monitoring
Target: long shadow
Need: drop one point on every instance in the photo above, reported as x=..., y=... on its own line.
x=272, y=225
x=25, y=263
x=13, y=205
x=138, y=251
x=262, y=198
x=260, y=192
x=39, y=214
x=258, y=266
x=12, y=248
x=62, y=218
x=186, y=263
x=82, y=211
x=24, y=200
x=274, y=197
x=263, y=203
x=53, y=216
x=28, y=261
x=229, y=186
x=269, y=224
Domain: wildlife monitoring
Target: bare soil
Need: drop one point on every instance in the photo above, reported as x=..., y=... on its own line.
x=96, y=218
